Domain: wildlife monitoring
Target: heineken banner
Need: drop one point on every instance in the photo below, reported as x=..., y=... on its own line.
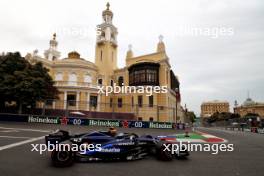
x=99, y=122
x=43, y=119
x=106, y=123
x=162, y=125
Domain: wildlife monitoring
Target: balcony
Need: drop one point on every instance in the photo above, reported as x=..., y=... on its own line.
x=74, y=84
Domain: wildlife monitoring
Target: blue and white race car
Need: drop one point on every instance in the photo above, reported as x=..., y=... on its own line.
x=108, y=146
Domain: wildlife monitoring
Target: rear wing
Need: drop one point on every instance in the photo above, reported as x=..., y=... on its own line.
x=57, y=137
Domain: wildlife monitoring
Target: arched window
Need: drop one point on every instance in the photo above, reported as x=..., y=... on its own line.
x=100, y=82
x=120, y=81
x=58, y=76
x=73, y=79
x=87, y=78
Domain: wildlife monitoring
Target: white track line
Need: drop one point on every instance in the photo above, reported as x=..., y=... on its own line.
x=18, y=137
x=9, y=131
x=22, y=129
x=20, y=143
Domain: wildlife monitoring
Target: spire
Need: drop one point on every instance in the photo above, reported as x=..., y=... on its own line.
x=107, y=6
x=106, y=30
x=107, y=14
x=129, y=52
x=52, y=52
x=54, y=36
x=53, y=42
x=161, y=45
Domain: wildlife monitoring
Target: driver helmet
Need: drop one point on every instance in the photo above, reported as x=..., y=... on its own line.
x=112, y=131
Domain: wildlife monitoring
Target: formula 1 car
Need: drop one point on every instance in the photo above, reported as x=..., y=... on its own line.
x=122, y=146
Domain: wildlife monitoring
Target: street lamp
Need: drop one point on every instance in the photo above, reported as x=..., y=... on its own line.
x=176, y=100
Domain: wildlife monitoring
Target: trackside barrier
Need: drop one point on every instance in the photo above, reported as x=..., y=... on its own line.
x=99, y=122
x=251, y=129
x=13, y=118
x=89, y=122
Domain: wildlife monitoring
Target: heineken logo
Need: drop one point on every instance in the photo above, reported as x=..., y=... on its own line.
x=159, y=125
x=41, y=119
x=107, y=123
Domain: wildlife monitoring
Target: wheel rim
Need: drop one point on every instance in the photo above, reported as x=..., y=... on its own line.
x=63, y=156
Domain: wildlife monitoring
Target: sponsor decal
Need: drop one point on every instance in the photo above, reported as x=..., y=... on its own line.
x=64, y=121
x=126, y=143
x=139, y=124
x=261, y=130
x=160, y=125
x=247, y=130
x=108, y=123
x=42, y=119
x=76, y=121
x=112, y=150
x=125, y=124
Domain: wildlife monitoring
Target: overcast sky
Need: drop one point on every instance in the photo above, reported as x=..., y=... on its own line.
x=209, y=67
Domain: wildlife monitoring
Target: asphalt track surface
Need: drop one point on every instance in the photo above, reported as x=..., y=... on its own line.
x=16, y=157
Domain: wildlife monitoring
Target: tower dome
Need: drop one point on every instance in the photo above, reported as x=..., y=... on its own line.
x=248, y=102
x=107, y=14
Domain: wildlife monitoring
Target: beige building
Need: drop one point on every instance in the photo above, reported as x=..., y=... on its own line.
x=250, y=106
x=78, y=79
x=211, y=107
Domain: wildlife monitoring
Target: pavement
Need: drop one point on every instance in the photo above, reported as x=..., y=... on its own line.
x=17, y=159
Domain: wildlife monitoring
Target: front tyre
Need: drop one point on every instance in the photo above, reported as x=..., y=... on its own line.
x=62, y=158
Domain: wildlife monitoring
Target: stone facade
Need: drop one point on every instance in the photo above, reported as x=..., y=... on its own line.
x=77, y=79
x=250, y=107
x=211, y=107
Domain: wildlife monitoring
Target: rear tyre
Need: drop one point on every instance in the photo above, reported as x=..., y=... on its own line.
x=62, y=158
x=163, y=154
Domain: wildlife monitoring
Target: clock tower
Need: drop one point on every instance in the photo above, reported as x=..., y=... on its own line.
x=106, y=46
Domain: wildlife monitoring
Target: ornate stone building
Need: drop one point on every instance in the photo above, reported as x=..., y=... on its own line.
x=77, y=79
x=250, y=107
x=211, y=107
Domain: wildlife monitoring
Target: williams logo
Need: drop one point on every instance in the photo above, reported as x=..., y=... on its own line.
x=41, y=119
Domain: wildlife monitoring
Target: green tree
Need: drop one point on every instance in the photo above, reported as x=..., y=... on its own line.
x=191, y=116
x=24, y=83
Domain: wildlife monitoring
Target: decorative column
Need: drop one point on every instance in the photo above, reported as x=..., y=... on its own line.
x=98, y=102
x=53, y=104
x=77, y=100
x=65, y=99
x=88, y=101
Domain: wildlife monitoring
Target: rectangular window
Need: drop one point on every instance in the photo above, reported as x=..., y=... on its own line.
x=140, y=100
x=101, y=55
x=111, y=102
x=49, y=102
x=93, y=101
x=71, y=100
x=132, y=101
x=151, y=101
x=119, y=102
